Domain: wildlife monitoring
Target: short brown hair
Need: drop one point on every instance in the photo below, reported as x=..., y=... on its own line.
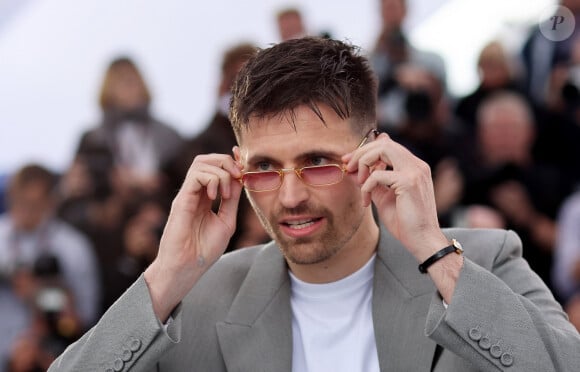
x=32, y=174
x=236, y=54
x=308, y=71
x=288, y=12
x=233, y=60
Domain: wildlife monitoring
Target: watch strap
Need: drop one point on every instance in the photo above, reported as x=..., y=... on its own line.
x=454, y=247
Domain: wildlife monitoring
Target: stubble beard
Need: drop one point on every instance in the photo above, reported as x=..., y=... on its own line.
x=310, y=250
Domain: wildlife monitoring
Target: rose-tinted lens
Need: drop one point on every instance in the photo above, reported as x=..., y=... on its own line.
x=261, y=181
x=323, y=175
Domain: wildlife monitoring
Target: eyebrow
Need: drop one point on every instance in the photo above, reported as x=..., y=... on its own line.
x=255, y=159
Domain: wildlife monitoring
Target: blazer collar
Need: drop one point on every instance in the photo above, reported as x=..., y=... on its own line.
x=256, y=335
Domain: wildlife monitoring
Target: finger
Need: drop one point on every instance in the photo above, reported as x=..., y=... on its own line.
x=352, y=159
x=384, y=179
x=206, y=180
x=229, y=206
x=217, y=162
x=367, y=160
x=384, y=150
x=225, y=179
x=225, y=162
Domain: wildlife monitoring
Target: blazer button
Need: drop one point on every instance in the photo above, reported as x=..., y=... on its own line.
x=135, y=345
x=127, y=355
x=495, y=351
x=118, y=365
x=475, y=334
x=506, y=359
x=485, y=343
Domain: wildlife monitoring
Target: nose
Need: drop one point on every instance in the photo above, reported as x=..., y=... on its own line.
x=293, y=191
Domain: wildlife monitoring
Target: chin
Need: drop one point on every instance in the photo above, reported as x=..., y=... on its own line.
x=306, y=253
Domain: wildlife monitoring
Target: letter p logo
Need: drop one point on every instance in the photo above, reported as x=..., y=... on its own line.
x=557, y=23
x=556, y=20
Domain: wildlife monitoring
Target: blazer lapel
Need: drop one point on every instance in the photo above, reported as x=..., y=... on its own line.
x=257, y=332
x=401, y=298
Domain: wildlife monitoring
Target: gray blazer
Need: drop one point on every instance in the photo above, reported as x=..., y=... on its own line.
x=238, y=317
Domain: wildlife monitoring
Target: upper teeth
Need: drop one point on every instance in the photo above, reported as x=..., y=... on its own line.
x=300, y=224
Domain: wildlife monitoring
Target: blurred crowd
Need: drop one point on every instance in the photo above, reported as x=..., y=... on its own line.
x=507, y=155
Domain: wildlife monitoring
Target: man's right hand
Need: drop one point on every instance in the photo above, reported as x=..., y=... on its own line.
x=194, y=236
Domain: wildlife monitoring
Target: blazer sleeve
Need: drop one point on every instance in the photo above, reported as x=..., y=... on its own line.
x=128, y=337
x=504, y=318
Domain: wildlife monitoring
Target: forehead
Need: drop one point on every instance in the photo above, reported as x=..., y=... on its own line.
x=283, y=135
x=29, y=191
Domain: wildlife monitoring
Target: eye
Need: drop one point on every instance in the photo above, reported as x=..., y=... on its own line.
x=317, y=160
x=264, y=166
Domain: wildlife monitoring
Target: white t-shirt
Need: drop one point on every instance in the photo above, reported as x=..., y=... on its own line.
x=332, y=324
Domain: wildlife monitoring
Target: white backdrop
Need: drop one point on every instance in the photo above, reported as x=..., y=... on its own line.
x=53, y=54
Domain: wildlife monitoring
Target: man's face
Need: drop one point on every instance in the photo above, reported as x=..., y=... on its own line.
x=505, y=135
x=290, y=26
x=29, y=206
x=310, y=224
x=393, y=12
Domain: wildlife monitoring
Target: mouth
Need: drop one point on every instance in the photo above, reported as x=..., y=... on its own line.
x=301, y=223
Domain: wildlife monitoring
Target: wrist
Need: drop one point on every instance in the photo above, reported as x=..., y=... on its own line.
x=430, y=246
x=444, y=268
x=454, y=247
x=167, y=288
x=445, y=275
x=157, y=292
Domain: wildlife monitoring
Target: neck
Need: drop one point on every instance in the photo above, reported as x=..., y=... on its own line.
x=351, y=257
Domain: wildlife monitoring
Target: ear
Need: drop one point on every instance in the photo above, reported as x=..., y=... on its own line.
x=237, y=154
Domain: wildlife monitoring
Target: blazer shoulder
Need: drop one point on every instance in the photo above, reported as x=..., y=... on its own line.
x=487, y=246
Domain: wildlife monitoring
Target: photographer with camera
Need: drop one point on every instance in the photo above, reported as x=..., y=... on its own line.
x=34, y=246
x=55, y=322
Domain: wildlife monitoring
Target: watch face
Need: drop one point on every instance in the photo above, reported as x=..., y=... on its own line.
x=457, y=245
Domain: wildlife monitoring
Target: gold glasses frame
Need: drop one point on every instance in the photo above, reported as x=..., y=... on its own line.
x=299, y=171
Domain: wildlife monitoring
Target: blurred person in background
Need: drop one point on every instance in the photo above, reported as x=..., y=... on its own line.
x=55, y=322
x=291, y=25
x=393, y=50
x=139, y=143
x=91, y=200
x=566, y=273
x=3, y=183
x=559, y=118
x=426, y=125
x=140, y=240
x=30, y=235
x=218, y=137
x=540, y=55
x=496, y=73
x=501, y=172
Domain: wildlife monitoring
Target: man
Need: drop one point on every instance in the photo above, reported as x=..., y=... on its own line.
x=334, y=291
x=30, y=236
x=290, y=24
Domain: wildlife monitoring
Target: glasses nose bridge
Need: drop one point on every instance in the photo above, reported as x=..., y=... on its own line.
x=283, y=171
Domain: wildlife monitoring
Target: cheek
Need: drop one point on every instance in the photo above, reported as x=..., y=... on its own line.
x=345, y=197
x=351, y=186
x=261, y=202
